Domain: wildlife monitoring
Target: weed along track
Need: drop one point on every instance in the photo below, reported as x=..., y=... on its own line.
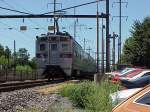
x=56, y=88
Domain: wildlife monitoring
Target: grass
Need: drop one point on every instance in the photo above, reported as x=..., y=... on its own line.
x=86, y=97
x=54, y=89
x=91, y=97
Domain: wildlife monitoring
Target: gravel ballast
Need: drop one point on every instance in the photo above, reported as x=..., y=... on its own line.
x=19, y=100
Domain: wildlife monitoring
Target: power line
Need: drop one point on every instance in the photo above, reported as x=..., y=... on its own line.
x=72, y=7
x=15, y=10
x=25, y=35
x=25, y=10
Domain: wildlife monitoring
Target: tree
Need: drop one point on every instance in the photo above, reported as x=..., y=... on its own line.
x=22, y=56
x=7, y=52
x=1, y=50
x=32, y=63
x=136, y=48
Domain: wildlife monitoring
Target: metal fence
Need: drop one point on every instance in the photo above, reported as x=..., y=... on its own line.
x=12, y=75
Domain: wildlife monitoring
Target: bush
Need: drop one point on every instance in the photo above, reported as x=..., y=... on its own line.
x=90, y=96
x=78, y=93
x=25, y=68
x=4, y=60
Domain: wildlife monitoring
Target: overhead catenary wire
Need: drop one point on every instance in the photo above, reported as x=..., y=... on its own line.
x=58, y=10
x=72, y=7
x=25, y=35
x=27, y=12
x=15, y=10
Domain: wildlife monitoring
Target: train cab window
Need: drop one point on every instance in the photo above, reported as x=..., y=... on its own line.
x=54, y=47
x=53, y=39
x=42, y=47
x=65, y=47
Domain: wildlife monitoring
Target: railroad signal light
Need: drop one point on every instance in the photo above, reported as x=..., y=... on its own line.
x=23, y=28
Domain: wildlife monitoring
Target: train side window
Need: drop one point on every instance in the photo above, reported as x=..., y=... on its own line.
x=53, y=47
x=42, y=47
x=63, y=39
x=65, y=47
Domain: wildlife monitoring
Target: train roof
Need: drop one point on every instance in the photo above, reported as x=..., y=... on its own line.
x=65, y=34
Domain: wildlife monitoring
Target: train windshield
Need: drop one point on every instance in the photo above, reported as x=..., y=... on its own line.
x=42, y=47
x=54, y=47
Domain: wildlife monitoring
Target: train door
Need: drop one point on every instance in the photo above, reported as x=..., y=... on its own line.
x=54, y=53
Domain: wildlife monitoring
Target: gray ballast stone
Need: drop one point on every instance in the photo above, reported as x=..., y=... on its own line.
x=26, y=98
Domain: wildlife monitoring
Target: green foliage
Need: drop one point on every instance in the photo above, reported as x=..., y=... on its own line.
x=136, y=48
x=5, y=61
x=92, y=97
x=79, y=93
x=22, y=56
x=22, y=59
x=7, y=52
x=25, y=68
x=32, y=63
x=1, y=50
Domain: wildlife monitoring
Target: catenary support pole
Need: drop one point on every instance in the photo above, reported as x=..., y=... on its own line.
x=120, y=31
x=102, y=45
x=14, y=58
x=107, y=38
x=54, y=16
x=97, y=76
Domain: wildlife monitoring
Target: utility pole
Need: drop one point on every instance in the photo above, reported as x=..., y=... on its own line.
x=113, y=50
x=102, y=55
x=97, y=77
x=119, y=40
x=97, y=38
x=107, y=38
x=84, y=44
x=75, y=25
x=120, y=28
x=54, y=17
x=14, y=57
x=114, y=53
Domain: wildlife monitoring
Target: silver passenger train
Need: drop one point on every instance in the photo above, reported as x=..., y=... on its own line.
x=60, y=54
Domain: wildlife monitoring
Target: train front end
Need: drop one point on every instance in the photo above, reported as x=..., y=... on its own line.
x=54, y=53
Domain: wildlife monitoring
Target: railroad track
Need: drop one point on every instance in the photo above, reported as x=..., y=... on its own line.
x=6, y=87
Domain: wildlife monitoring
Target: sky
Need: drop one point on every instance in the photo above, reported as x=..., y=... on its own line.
x=135, y=10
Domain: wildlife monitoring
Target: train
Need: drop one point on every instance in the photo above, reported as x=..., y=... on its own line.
x=60, y=54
